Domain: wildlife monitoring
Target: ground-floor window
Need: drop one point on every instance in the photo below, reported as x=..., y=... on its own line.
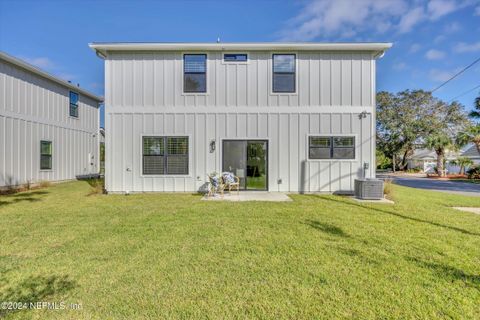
x=45, y=155
x=324, y=147
x=165, y=155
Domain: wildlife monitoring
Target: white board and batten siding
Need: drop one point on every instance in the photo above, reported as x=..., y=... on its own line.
x=144, y=96
x=35, y=108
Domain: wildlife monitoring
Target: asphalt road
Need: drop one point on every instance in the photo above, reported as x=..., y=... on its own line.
x=463, y=188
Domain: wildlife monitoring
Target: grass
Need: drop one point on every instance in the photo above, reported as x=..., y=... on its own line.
x=174, y=256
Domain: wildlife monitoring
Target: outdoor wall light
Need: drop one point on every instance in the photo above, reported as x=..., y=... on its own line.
x=212, y=146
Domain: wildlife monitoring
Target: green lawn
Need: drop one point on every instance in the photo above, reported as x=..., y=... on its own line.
x=174, y=256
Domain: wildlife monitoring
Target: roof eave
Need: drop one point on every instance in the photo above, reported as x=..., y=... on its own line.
x=377, y=48
x=22, y=64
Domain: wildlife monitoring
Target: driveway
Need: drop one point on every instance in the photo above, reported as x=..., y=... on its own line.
x=463, y=188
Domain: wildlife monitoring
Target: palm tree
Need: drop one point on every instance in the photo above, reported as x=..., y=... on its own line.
x=476, y=113
x=462, y=162
x=440, y=143
x=470, y=135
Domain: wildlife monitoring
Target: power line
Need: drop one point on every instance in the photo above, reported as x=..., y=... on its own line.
x=456, y=75
x=464, y=93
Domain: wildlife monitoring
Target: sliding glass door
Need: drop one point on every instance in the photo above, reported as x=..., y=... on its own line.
x=248, y=160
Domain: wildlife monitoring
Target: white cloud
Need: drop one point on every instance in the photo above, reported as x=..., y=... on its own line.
x=439, y=38
x=410, y=19
x=341, y=19
x=439, y=8
x=439, y=75
x=46, y=64
x=452, y=28
x=477, y=11
x=434, y=54
x=467, y=47
x=414, y=48
x=399, y=66
x=40, y=62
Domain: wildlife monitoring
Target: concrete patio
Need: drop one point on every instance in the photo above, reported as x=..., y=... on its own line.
x=250, y=196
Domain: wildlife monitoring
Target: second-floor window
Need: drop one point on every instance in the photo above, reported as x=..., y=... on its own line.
x=283, y=73
x=195, y=73
x=73, y=104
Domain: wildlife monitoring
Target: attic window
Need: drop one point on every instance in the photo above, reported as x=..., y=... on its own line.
x=235, y=57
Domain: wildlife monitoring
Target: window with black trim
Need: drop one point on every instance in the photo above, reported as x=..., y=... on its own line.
x=165, y=155
x=235, y=57
x=45, y=155
x=73, y=104
x=284, y=73
x=195, y=73
x=331, y=147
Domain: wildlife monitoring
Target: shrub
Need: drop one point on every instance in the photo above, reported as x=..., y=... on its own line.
x=388, y=188
x=474, y=172
x=382, y=161
x=97, y=186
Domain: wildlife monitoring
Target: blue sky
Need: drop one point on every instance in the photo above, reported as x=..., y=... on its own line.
x=432, y=39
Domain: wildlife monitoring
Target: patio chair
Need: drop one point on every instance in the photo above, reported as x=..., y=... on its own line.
x=231, y=182
x=215, y=186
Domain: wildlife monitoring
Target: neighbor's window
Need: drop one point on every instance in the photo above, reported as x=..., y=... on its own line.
x=165, y=155
x=331, y=148
x=235, y=57
x=73, y=104
x=45, y=155
x=283, y=73
x=195, y=73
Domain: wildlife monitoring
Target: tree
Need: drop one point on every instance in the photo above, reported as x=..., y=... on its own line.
x=440, y=143
x=463, y=162
x=401, y=121
x=470, y=135
x=476, y=112
x=406, y=119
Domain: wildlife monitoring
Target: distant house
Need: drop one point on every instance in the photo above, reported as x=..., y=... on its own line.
x=472, y=153
x=48, y=126
x=280, y=116
x=426, y=161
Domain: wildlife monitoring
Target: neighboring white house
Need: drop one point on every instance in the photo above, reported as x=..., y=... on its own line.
x=296, y=117
x=426, y=161
x=48, y=127
x=471, y=152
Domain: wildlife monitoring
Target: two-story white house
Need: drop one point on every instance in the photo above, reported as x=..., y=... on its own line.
x=48, y=127
x=297, y=117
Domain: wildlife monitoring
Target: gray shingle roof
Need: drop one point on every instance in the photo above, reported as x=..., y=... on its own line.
x=471, y=152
